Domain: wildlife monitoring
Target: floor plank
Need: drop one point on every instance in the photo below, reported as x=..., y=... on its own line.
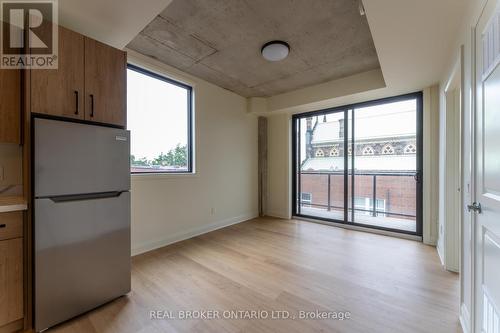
x=387, y=284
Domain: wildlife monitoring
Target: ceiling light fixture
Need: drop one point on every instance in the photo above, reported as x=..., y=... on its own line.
x=275, y=50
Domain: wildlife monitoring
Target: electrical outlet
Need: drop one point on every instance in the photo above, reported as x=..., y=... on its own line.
x=212, y=211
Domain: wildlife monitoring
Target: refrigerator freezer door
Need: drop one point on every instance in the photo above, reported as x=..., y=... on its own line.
x=72, y=158
x=82, y=255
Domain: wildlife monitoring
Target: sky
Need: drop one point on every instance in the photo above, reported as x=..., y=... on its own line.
x=156, y=115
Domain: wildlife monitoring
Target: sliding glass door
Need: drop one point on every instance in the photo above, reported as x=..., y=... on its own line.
x=321, y=169
x=361, y=164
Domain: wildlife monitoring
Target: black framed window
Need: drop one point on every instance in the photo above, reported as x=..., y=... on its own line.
x=361, y=164
x=160, y=119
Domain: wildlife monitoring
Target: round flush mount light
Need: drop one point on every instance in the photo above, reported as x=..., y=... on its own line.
x=275, y=50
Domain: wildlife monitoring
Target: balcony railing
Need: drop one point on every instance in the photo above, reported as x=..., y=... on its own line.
x=375, y=177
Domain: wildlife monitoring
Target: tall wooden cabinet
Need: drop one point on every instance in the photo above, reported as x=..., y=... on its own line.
x=10, y=106
x=89, y=84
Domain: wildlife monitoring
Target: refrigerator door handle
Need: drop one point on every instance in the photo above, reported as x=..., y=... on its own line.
x=82, y=197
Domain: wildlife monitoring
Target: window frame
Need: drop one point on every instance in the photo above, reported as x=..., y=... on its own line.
x=347, y=145
x=189, y=144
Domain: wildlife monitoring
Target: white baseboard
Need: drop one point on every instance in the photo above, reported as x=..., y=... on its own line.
x=278, y=215
x=453, y=269
x=429, y=241
x=443, y=261
x=464, y=318
x=440, y=254
x=186, y=234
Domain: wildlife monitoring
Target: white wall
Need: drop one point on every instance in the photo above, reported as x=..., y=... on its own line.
x=326, y=94
x=450, y=182
x=431, y=165
x=169, y=208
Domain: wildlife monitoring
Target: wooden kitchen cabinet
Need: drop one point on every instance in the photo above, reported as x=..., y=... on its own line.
x=89, y=84
x=10, y=106
x=11, y=281
x=60, y=92
x=105, y=83
x=11, y=225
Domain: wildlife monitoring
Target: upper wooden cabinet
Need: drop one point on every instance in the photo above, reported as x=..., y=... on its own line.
x=105, y=83
x=10, y=105
x=89, y=84
x=61, y=92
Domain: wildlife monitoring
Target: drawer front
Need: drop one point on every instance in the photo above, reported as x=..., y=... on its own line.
x=11, y=225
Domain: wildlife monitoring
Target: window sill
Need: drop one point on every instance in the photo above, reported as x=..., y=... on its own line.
x=155, y=176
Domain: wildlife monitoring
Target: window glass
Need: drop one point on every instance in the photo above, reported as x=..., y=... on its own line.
x=159, y=118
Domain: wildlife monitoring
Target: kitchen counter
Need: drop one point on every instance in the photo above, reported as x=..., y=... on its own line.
x=12, y=203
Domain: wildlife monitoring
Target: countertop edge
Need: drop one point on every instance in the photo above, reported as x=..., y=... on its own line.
x=13, y=208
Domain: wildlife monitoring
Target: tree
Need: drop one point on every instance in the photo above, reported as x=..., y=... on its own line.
x=179, y=157
x=176, y=157
x=139, y=162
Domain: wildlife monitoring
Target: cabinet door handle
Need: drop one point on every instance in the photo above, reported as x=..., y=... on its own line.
x=2, y=225
x=91, y=106
x=76, y=102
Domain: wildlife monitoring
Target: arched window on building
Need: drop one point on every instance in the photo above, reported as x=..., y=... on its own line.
x=320, y=153
x=368, y=150
x=388, y=150
x=410, y=149
x=334, y=152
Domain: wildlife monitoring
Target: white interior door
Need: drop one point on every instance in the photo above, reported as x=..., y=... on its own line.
x=487, y=159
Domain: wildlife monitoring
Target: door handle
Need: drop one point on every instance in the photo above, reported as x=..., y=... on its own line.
x=417, y=177
x=84, y=197
x=475, y=207
x=76, y=102
x=91, y=106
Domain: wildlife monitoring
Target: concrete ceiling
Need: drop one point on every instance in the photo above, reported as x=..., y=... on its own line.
x=220, y=41
x=417, y=42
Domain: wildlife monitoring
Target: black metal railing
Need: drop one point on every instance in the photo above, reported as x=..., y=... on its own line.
x=375, y=176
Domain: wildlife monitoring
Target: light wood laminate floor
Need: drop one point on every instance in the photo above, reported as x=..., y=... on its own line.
x=387, y=284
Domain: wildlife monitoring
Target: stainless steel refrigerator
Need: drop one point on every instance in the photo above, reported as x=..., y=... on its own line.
x=81, y=218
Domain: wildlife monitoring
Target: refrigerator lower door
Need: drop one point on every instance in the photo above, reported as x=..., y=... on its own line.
x=82, y=255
